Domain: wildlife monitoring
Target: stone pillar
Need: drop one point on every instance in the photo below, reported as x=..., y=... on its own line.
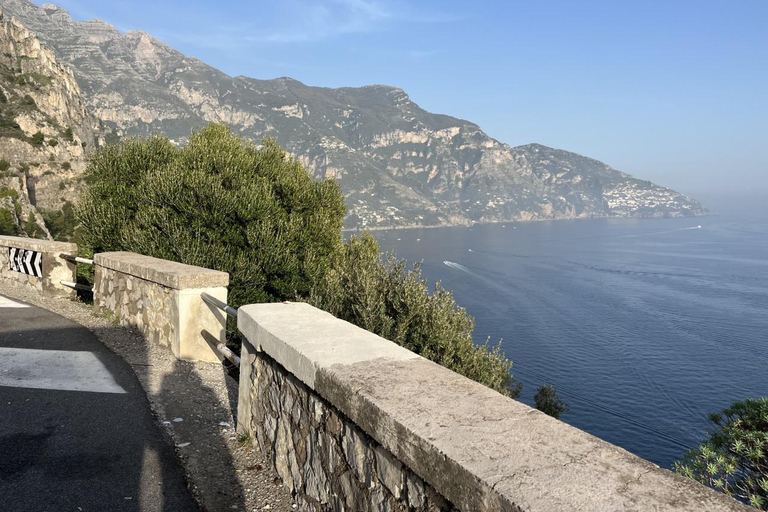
x=162, y=299
x=53, y=267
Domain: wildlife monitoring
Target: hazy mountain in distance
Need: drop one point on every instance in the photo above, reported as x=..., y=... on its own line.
x=397, y=164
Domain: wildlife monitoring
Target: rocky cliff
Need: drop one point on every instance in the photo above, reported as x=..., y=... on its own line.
x=397, y=164
x=45, y=130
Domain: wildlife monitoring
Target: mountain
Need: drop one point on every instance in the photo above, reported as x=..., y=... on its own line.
x=397, y=164
x=45, y=129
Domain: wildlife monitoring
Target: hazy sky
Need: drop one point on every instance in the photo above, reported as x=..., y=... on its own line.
x=674, y=91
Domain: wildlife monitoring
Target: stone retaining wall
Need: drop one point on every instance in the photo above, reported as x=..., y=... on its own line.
x=54, y=268
x=162, y=299
x=353, y=422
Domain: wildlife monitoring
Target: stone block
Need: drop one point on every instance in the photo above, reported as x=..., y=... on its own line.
x=55, y=268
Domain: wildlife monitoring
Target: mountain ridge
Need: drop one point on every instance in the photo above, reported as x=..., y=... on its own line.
x=398, y=164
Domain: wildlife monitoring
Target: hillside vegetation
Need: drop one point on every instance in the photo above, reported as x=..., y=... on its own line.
x=220, y=202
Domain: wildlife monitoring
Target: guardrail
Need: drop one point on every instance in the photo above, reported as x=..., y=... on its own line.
x=76, y=259
x=223, y=350
x=77, y=286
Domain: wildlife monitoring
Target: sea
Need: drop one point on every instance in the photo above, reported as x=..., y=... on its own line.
x=644, y=326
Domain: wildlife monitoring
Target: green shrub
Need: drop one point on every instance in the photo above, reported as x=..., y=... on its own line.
x=60, y=223
x=388, y=299
x=31, y=228
x=734, y=459
x=68, y=135
x=66, y=166
x=28, y=101
x=549, y=402
x=37, y=139
x=53, y=142
x=219, y=203
x=7, y=222
x=3, y=97
x=83, y=144
x=8, y=192
x=4, y=165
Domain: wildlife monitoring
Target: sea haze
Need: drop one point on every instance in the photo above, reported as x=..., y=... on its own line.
x=644, y=326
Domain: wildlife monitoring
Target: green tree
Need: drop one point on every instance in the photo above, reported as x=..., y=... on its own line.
x=221, y=203
x=734, y=459
x=7, y=222
x=218, y=202
x=386, y=298
x=549, y=402
x=37, y=139
x=31, y=228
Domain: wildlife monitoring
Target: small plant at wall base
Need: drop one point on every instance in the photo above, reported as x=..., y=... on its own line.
x=734, y=459
x=549, y=402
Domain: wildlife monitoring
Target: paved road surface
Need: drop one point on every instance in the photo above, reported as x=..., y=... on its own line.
x=76, y=432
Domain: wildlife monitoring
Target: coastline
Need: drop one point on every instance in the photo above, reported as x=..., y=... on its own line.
x=520, y=221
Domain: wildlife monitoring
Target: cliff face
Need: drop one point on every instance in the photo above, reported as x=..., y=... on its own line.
x=397, y=164
x=45, y=129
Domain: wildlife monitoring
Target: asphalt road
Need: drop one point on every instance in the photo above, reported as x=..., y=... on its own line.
x=76, y=431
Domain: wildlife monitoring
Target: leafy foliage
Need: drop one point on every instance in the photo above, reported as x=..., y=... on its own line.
x=7, y=222
x=37, y=139
x=31, y=228
x=734, y=459
x=61, y=223
x=220, y=203
x=388, y=299
x=549, y=402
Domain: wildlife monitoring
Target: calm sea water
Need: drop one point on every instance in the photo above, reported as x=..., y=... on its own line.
x=643, y=326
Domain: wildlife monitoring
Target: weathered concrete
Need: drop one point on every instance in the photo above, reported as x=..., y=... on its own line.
x=167, y=273
x=55, y=268
x=478, y=449
x=162, y=299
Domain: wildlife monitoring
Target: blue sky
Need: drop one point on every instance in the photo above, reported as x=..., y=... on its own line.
x=672, y=91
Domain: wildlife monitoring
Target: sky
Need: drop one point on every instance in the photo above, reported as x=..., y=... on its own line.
x=674, y=91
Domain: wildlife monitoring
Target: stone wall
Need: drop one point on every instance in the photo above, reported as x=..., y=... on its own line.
x=353, y=422
x=162, y=299
x=324, y=459
x=55, y=268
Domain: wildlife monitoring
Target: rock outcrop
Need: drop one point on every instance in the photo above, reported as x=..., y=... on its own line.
x=45, y=130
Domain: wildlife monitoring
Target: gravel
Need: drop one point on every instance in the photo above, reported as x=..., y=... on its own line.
x=195, y=406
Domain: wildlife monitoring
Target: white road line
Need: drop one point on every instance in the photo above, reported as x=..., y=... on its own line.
x=55, y=369
x=8, y=303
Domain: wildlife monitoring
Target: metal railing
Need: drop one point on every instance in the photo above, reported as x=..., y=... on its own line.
x=77, y=286
x=226, y=352
x=76, y=259
x=213, y=301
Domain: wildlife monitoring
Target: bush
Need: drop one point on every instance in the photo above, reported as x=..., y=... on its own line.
x=549, y=402
x=7, y=222
x=393, y=302
x=219, y=203
x=4, y=165
x=37, y=139
x=31, y=228
x=68, y=135
x=9, y=192
x=734, y=459
x=53, y=142
x=60, y=223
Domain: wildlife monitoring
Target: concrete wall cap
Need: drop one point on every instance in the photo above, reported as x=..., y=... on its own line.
x=316, y=342
x=481, y=450
x=167, y=273
x=34, y=244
